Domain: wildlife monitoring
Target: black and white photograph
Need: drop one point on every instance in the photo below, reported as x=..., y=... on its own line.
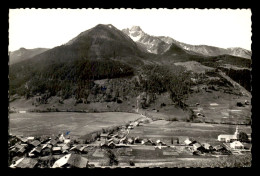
x=129, y=88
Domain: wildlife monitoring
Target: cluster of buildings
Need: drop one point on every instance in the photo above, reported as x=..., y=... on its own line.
x=232, y=139
x=28, y=149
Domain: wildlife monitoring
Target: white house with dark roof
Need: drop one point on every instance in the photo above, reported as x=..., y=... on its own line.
x=236, y=145
x=229, y=137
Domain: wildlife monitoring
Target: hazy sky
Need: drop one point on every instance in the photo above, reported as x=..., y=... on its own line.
x=32, y=28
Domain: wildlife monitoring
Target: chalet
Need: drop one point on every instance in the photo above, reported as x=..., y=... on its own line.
x=236, y=145
x=65, y=147
x=35, y=143
x=137, y=139
x=218, y=148
x=207, y=146
x=130, y=127
x=44, y=139
x=75, y=149
x=46, y=151
x=27, y=163
x=98, y=153
x=115, y=140
x=36, y=151
x=22, y=112
x=115, y=135
x=144, y=141
x=71, y=160
x=30, y=138
x=184, y=140
x=66, y=141
x=229, y=137
x=15, y=163
x=196, y=146
x=111, y=144
x=130, y=141
x=83, y=149
x=103, y=135
x=21, y=149
x=22, y=139
x=109, y=140
x=56, y=150
x=53, y=142
x=61, y=138
x=148, y=142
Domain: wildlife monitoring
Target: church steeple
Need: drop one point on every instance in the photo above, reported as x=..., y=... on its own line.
x=236, y=132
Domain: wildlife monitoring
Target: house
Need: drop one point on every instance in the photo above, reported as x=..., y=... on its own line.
x=22, y=139
x=21, y=149
x=207, y=146
x=75, y=149
x=137, y=140
x=22, y=112
x=61, y=138
x=218, y=148
x=27, y=163
x=111, y=144
x=130, y=127
x=98, y=153
x=53, y=142
x=46, y=151
x=71, y=160
x=44, y=139
x=184, y=140
x=65, y=147
x=36, y=151
x=134, y=123
x=56, y=150
x=144, y=141
x=116, y=141
x=115, y=135
x=196, y=146
x=236, y=145
x=109, y=140
x=66, y=141
x=103, y=135
x=147, y=142
x=30, y=138
x=130, y=141
x=83, y=149
x=15, y=163
x=35, y=143
x=229, y=137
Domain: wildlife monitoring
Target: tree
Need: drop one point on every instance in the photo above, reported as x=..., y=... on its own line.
x=243, y=137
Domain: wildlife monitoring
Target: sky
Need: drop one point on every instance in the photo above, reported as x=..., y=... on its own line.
x=47, y=28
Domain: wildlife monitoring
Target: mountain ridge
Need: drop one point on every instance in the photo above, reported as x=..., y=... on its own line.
x=160, y=44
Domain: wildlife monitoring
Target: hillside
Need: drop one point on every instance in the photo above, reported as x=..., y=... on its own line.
x=24, y=54
x=103, y=69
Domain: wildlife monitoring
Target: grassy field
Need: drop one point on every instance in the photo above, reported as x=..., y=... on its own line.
x=220, y=107
x=79, y=124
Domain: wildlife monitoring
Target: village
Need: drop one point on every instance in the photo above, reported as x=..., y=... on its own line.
x=114, y=147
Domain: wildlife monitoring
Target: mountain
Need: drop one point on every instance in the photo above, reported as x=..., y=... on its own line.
x=152, y=44
x=160, y=44
x=236, y=51
x=100, y=52
x=23, y=54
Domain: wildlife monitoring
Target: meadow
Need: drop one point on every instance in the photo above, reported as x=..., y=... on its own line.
x=77, y=124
